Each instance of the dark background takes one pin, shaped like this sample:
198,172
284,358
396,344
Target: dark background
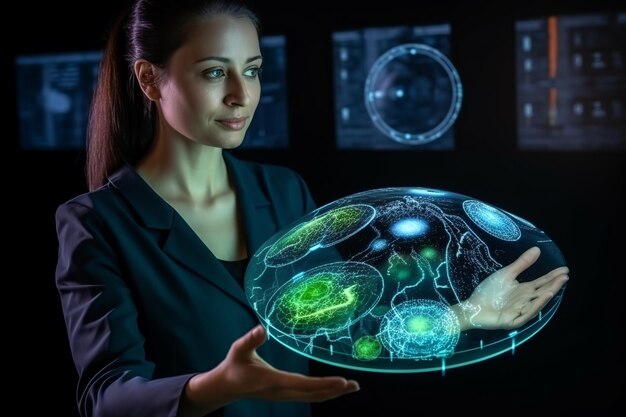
575,363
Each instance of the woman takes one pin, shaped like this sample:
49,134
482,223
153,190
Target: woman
152,258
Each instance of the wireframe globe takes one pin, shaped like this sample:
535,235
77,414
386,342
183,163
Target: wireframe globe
370,281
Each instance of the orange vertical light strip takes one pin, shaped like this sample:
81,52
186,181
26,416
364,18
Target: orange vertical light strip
553,43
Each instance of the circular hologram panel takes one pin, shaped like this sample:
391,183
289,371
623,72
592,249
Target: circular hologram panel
492,220
325,299
413,94
420,329
326,230
399,280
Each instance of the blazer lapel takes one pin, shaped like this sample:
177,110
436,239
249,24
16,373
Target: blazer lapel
255,208
180,242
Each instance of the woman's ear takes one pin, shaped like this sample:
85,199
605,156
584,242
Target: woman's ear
145,73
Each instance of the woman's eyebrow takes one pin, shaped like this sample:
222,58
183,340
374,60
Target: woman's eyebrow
226,60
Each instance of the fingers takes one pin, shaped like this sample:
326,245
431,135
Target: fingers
248,343
524,261
305,383
317,393
554,285
550,276
532,307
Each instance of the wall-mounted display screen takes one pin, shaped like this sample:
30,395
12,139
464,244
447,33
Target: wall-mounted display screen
395,88
571,82
54,92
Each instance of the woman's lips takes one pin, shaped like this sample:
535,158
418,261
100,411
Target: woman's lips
233,124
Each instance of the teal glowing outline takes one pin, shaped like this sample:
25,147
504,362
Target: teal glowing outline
541,322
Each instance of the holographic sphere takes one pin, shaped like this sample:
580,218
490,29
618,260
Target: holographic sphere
388,280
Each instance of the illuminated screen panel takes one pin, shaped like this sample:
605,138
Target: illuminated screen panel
54,92
571,82
395,88
269,128
53,96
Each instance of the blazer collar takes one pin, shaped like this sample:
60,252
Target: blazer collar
181,243
255,208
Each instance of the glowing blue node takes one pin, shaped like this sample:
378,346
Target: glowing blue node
408,228
379,244
387,280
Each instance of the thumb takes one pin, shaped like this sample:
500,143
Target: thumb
248,343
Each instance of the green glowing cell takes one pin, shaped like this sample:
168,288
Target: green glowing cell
317,302
418,324
367,348
321,231
429,253
326,298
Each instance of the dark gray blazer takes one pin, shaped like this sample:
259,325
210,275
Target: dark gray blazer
147,305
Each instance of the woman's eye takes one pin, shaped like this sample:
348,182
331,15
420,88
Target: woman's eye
253,72
214,73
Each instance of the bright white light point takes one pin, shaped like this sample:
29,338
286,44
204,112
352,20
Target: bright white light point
409,227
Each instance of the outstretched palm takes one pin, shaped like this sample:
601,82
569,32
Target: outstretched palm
502,302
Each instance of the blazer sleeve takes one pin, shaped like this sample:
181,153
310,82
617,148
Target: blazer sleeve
101,320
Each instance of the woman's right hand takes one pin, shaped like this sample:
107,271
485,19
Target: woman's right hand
243,374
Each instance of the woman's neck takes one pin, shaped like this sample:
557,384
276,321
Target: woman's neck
183,170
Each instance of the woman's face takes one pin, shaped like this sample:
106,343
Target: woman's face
211,88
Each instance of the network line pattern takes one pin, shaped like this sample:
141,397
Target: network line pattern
369,281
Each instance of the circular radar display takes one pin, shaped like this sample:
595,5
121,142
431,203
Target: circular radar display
402,280
413,94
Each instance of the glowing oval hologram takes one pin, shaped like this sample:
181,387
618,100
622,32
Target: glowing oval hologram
385,280
325,299
492,220
326,230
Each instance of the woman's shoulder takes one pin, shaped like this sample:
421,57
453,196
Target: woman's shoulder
107,197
